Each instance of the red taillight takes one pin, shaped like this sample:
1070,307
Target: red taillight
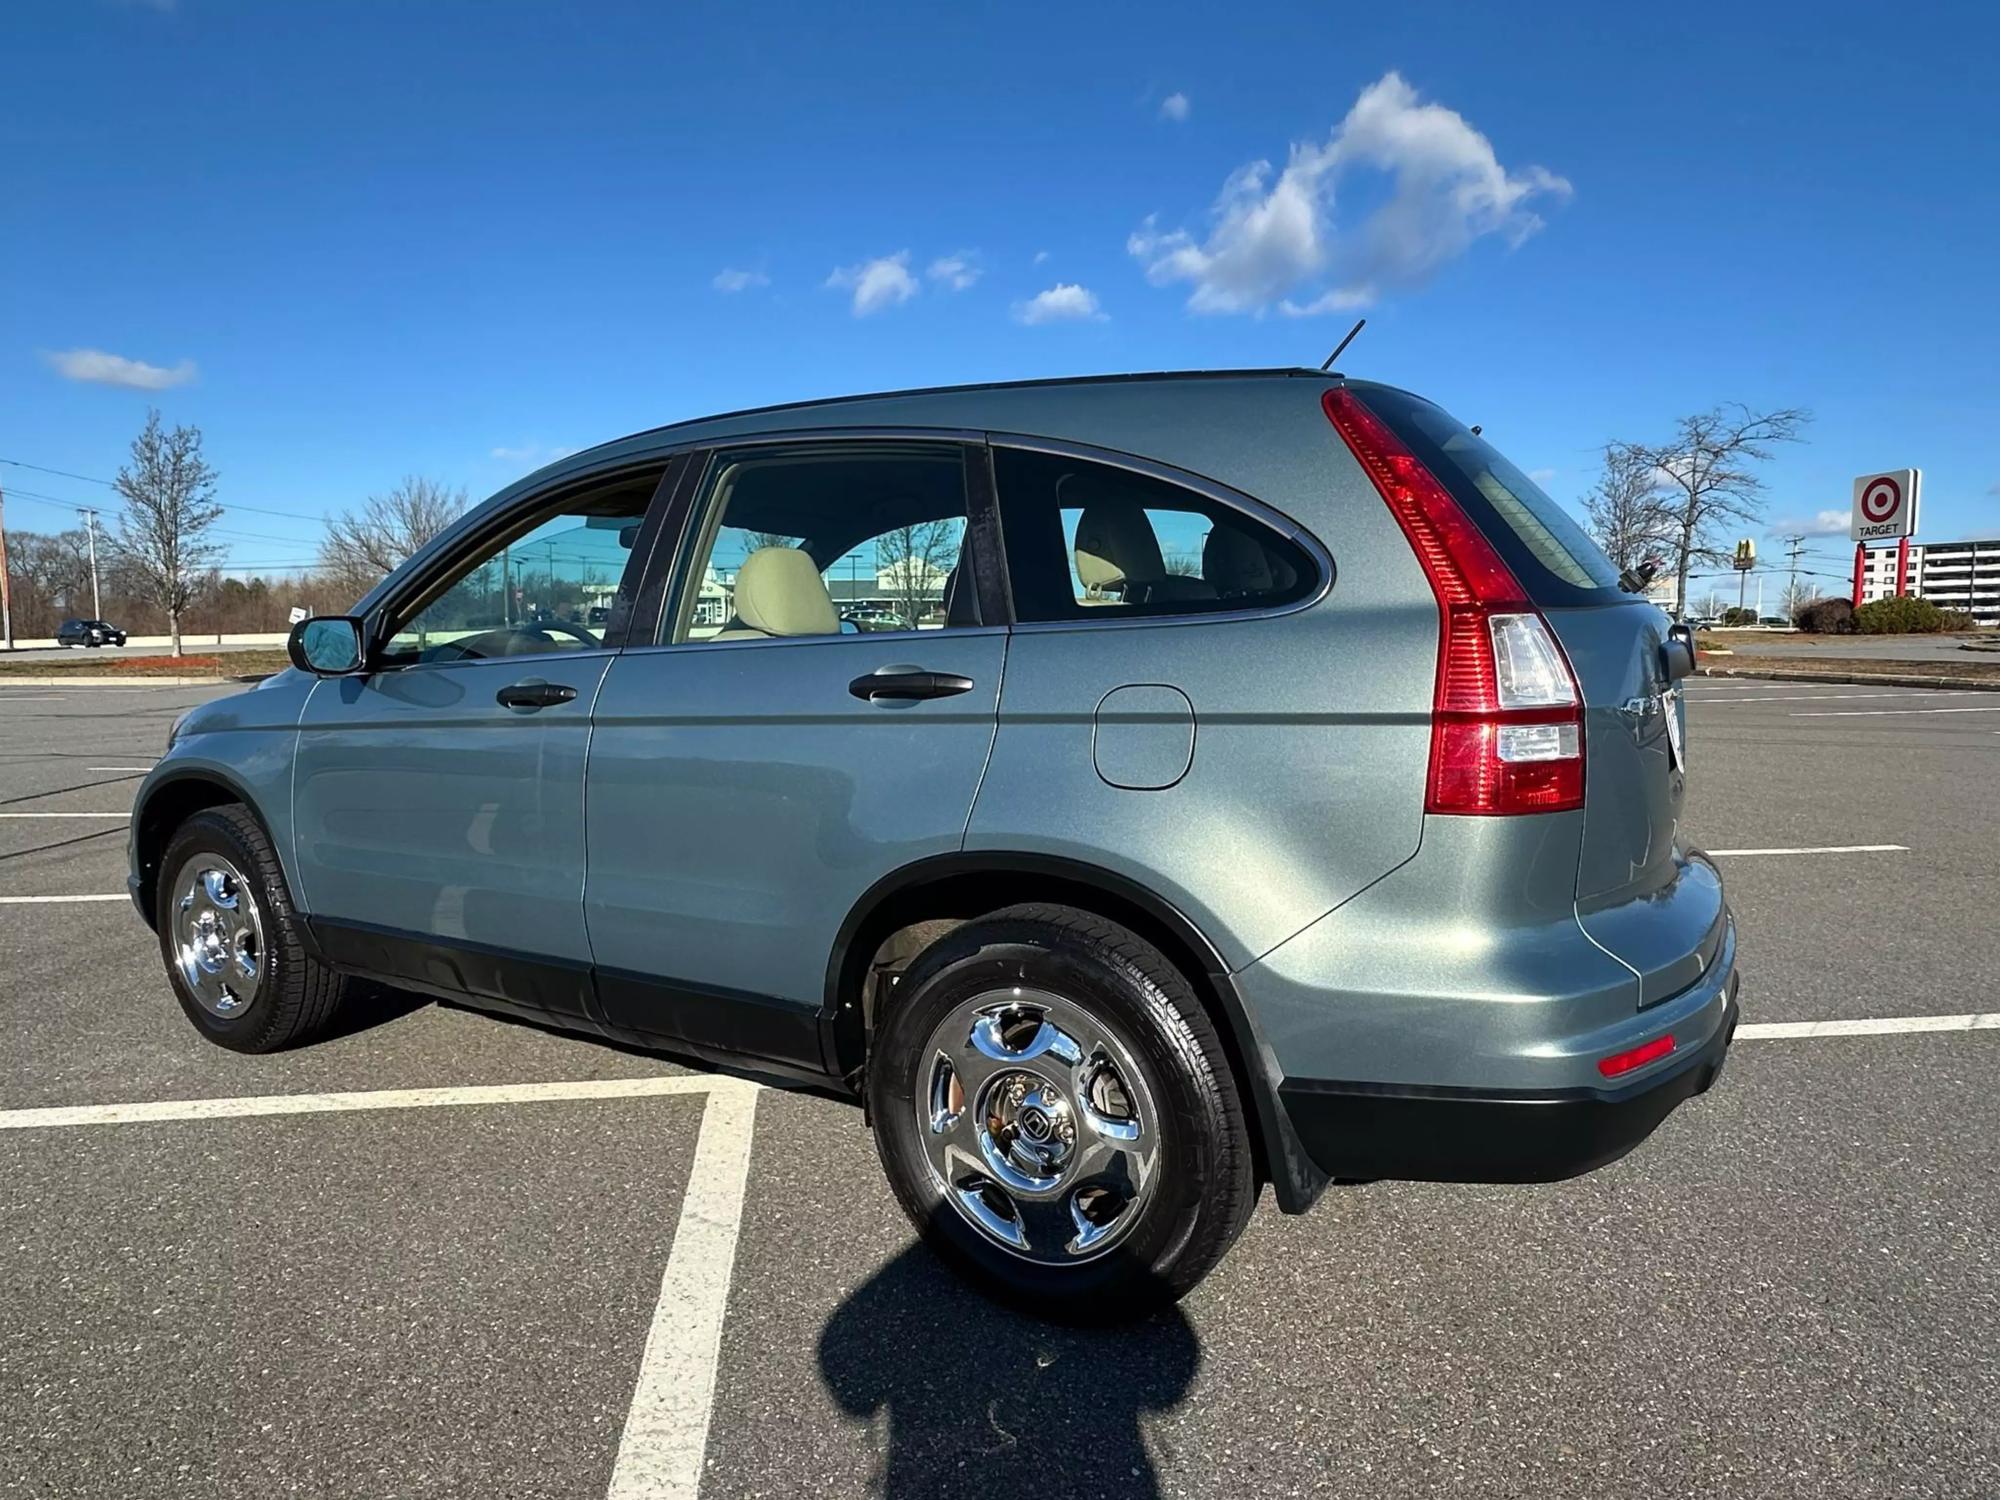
1507,719
1620,1063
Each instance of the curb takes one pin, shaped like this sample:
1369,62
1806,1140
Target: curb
1877,679
8,679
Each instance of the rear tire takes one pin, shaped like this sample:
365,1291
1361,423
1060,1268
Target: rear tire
233,945
1057,1115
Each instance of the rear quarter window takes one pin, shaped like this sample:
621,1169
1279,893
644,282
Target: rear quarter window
1552,555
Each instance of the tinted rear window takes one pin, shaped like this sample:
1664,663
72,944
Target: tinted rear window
1549,552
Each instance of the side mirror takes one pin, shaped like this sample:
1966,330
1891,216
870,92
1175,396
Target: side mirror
1677,652
329,646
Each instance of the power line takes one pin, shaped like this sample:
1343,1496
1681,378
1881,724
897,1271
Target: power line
262,510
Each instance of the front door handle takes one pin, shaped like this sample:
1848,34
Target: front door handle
533,694
903,684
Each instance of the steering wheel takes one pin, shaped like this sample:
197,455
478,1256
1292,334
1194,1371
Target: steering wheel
568,629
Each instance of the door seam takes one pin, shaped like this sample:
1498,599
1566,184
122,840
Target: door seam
992,740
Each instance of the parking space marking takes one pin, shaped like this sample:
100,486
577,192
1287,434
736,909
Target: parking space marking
66,815
58,900
243,1106
1880,1026
1819,849
118,768
665,1438
1828,697
660,1452
1872,713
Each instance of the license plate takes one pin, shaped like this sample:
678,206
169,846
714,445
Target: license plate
1676,741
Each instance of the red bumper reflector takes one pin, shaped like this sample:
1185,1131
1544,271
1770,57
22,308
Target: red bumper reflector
1624,1062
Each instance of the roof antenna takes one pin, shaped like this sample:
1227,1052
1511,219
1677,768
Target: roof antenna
1359,324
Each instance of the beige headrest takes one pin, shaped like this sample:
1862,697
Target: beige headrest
1115,545
779,591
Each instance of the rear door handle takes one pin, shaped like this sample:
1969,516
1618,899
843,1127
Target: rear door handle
533,694
902,684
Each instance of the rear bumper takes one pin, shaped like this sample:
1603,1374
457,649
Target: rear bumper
1362,1132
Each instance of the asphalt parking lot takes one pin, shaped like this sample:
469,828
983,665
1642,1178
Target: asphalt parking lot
445,1254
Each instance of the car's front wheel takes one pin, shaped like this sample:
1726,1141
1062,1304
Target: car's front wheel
232,943
1058,1117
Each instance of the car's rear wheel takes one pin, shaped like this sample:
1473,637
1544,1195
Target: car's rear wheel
232,943
1058,1117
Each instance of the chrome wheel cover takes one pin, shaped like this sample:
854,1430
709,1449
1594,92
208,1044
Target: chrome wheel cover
1037,1125
218,935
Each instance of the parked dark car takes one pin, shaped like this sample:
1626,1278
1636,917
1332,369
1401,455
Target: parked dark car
89,633
1286,795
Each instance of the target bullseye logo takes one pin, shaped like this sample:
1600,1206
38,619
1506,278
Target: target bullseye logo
1881,499
1885,505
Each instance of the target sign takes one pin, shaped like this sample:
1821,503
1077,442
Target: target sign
1885,505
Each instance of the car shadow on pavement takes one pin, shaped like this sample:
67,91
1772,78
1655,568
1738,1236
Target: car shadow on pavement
975,1399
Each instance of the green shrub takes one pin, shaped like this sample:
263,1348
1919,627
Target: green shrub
1825,616
1901,615
1958,619
1735,616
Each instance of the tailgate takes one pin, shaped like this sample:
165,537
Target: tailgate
1638,894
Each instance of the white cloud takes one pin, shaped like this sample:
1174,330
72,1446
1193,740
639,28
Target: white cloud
877,284
1541,476
1042,255
98,368
1065,302
729,279
1174,107
1823,523
956,271
1275,237
530,455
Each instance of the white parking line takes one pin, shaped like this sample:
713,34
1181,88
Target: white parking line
242,1106
66,815
1883,1026
665,1439
118,768
666,1430
1871,713
1830,697
1820,849
57,900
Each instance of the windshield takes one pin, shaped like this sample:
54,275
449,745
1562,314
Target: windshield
1540,540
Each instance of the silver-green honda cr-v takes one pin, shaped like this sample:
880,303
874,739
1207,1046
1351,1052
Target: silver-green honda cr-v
1241,778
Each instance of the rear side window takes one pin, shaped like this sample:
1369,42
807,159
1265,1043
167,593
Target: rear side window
1088,541
1540,541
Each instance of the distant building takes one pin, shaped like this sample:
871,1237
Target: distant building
1951,575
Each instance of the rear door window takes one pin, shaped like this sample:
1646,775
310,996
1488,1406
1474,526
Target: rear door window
1092,541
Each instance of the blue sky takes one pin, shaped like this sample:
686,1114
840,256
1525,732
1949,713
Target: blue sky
354,241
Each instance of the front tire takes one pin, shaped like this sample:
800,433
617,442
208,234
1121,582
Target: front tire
233,945
1058,1117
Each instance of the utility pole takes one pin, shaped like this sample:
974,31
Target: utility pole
1794,545
90,527
6,589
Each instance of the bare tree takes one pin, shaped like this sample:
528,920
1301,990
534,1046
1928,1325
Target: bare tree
1800,592
913,561
1708,481
1624,507
169,492
756,541
1710,605
362,547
